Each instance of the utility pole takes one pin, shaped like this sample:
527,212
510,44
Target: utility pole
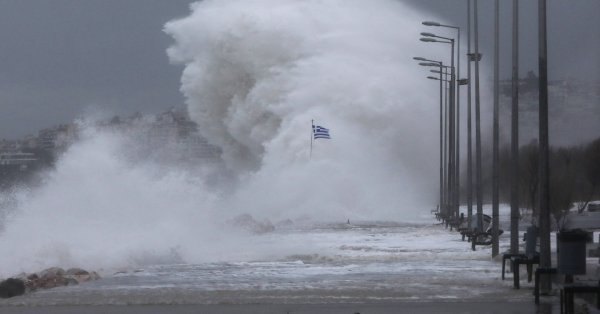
514,178
495,153
544,170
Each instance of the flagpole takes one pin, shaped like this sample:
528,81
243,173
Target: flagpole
312,122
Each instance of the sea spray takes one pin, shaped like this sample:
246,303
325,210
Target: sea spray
256,73
99,209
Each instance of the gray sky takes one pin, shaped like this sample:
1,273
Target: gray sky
61,57
573,28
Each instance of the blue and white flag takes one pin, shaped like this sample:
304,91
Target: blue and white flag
320,132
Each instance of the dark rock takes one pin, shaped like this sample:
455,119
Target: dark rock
33,276
52,272
54,277
79,275
77,271
11,287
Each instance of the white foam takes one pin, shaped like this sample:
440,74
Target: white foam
256,73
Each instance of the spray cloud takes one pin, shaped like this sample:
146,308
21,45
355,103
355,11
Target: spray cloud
256,73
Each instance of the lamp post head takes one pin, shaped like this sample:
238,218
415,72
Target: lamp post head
428,40
432,78
430,23
428,35
428,60
435,71
429,64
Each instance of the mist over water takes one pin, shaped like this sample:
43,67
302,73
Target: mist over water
256,74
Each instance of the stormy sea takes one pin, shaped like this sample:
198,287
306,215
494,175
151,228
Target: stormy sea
275,217
372,262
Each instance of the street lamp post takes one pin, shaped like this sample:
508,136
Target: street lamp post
514,178
442,160
457,108
496,132
446,160
429,37
544,169
445,157
478,176
469,137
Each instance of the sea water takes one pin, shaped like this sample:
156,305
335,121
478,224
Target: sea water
348,212
355,262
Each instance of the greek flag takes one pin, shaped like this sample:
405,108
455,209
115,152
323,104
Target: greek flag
320,132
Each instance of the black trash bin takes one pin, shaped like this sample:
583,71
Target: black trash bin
571,252
531,242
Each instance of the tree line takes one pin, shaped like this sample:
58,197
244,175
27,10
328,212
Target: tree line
574,177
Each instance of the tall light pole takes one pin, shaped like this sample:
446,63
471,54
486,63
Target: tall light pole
457,108
495,149
429,37
514,147
544,170
445,74
446,161
478,179
469,137
446,188
441,202
443,125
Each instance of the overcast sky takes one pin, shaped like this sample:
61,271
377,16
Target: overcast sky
63,58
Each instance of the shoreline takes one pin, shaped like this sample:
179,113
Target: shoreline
443,278
416,306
